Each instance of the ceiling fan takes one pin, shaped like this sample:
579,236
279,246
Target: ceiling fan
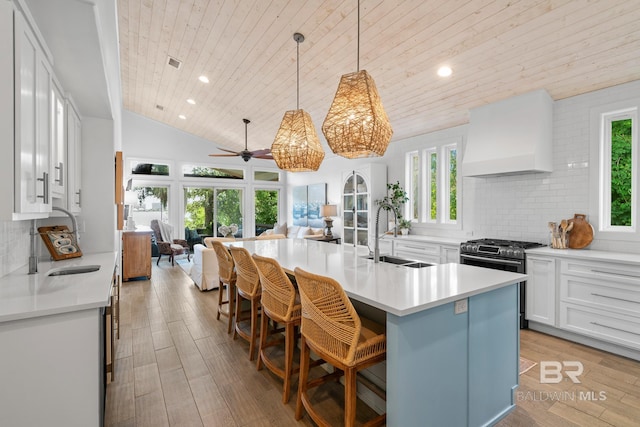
265,153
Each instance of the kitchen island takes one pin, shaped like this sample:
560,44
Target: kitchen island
443,368
54,337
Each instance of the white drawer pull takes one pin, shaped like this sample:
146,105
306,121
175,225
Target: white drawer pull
616,298
420,248
615,329
613,273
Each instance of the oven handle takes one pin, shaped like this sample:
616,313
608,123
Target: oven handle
491,260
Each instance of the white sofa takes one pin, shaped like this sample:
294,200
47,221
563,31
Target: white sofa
294,231
204,268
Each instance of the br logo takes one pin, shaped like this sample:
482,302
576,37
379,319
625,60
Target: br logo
551,372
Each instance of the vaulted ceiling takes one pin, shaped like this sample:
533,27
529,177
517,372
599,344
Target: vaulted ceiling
496,49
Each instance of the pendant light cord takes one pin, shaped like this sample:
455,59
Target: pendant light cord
358,50
298,74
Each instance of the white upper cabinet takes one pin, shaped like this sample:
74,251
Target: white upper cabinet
44,127
74,161
58,143
31,85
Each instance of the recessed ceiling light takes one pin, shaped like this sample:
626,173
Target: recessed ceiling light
203,79
191,101
182,116
444,71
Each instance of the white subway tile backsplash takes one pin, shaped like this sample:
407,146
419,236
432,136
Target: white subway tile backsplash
14,251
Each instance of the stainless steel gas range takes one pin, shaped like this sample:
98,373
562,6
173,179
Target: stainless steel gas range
507,255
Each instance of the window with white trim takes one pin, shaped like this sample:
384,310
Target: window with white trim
413,185
618,169
432,180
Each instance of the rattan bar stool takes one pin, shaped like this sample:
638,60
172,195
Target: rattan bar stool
227,276
334,331
247,288
281,303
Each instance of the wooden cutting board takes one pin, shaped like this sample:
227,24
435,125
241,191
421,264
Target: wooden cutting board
60,242
582,233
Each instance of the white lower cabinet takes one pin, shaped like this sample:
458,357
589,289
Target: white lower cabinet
601,300
420,251
541,290
449,254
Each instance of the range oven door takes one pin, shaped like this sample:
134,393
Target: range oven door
512,265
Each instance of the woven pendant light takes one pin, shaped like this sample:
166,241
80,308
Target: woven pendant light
356,124
296,147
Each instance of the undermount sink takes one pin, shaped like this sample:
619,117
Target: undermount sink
401,261
75,269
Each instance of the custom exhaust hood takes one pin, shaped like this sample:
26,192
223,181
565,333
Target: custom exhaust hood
510,136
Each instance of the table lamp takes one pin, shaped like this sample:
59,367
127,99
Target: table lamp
328,211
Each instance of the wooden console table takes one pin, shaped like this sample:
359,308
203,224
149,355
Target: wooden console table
136,254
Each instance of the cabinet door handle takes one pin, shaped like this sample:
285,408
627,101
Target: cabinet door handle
613,273
615,298
60,169
45,187
615,329
79,202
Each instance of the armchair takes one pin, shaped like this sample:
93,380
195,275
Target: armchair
166,244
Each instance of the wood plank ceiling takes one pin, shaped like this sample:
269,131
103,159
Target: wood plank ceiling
496,49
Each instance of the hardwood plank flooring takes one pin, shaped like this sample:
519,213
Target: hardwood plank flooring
176,366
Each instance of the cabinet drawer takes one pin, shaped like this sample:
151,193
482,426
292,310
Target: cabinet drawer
605,272
607,326
594,292
418,248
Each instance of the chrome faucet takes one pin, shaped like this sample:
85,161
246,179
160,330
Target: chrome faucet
376,248
33,258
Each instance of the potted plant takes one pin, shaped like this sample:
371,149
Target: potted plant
404,225
396,197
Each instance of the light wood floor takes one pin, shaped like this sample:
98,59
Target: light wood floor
175,365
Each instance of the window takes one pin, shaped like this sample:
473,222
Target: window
432,178
450,177
228,209
152,203
139,168
619,171
193,171
198,210
266,209
413,205
261,175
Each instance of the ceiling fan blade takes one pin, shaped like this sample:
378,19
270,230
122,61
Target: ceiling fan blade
261,152
224,155
228,151
264,156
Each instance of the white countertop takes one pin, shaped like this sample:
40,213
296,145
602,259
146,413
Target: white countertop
587,254
395,289
25,295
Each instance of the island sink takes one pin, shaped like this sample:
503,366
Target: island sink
401,261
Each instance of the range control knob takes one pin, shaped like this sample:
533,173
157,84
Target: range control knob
518,253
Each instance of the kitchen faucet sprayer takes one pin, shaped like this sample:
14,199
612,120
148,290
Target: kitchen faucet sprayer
33,258
376,249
